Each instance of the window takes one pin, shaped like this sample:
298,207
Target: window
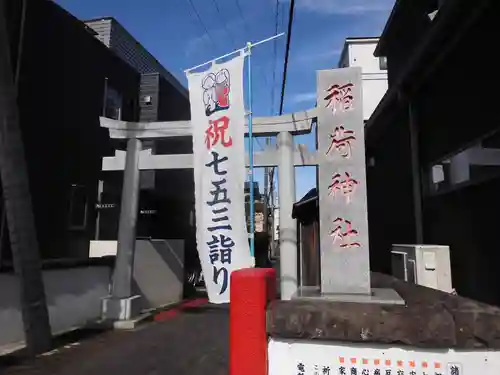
147,100
113,104
382,61
78,208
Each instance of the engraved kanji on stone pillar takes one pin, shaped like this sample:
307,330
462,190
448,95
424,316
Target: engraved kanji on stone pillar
345,266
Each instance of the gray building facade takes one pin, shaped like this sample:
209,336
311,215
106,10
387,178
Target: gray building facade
167,197
110,32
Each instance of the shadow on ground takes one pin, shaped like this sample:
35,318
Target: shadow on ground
193,342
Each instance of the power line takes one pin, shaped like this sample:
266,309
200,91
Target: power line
287,53
238,5
225,24
268,173
202,23
258,69
285,65
275,52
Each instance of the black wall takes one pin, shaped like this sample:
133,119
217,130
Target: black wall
173,105
467,220
408,28
150,86
390,193
61,93
455,105
173,195
167,104
451,118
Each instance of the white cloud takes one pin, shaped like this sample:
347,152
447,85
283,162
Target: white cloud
304,97
216,38
195,44
306,57
345,7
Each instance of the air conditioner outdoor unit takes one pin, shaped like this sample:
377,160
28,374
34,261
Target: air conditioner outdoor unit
427,265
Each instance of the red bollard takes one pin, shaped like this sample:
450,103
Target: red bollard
251,290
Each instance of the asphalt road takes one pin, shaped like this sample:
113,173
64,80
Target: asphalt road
193,341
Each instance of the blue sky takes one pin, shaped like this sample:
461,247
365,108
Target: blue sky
172,32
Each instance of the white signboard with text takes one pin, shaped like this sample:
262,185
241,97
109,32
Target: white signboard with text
307,358
218,118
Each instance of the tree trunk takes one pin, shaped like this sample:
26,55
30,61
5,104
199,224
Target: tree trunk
20,219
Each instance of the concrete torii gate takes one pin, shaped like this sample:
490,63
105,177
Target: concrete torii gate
345,269
135,159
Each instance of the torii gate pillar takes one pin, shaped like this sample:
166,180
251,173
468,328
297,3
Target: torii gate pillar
287,225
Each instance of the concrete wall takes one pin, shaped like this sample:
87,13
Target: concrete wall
159,272
158,269
73,297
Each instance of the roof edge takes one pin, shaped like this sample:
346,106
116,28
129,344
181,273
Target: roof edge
361,39
441,23
379,50
107,18
343,53
169,77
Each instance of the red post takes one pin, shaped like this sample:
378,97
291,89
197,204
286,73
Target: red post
251,291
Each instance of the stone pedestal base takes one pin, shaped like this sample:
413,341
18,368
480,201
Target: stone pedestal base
120,309
384,296
430,319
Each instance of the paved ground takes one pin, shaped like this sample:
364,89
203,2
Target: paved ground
192,341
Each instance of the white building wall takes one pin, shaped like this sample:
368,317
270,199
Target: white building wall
374,88
360,53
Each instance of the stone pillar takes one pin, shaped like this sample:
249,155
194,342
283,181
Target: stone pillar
345,257
288,225
119,306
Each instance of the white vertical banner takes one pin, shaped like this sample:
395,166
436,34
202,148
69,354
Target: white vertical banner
218,120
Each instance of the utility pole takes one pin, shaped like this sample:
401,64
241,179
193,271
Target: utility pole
17,200
270,172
